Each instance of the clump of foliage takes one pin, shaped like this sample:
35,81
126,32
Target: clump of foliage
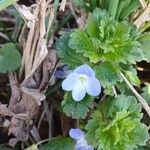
110,47
116,124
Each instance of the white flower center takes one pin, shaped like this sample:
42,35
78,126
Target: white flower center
82,79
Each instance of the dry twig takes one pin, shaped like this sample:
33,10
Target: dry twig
145,16
139,97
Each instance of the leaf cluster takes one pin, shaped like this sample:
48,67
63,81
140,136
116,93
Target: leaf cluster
107,45
116,125
104,39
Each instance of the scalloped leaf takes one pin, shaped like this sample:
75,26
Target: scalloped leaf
76,109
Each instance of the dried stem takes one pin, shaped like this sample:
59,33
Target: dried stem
143,3
49,116
138,96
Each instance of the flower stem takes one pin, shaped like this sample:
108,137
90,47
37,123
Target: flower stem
138,96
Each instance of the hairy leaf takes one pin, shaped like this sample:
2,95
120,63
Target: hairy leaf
116,125
75,109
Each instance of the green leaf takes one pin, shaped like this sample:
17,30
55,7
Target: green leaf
68,55
113,5
145,44
10,58
82,44
107,73
6,3
76,109
116,125
93,23
57,143
133,78
130,7
120,103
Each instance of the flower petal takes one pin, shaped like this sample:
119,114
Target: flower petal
69,82
84,147
76,134
85,69
78,92
93,87
80,148
89,147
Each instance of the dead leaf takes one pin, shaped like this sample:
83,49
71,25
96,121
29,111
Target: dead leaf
25,11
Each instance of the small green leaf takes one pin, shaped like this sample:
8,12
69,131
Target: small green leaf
133,78
76,109
59,143
10,58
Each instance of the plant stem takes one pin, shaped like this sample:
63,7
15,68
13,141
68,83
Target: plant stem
138,96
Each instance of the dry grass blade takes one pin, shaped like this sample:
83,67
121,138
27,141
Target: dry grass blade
145,16
143,3
26,13
62,5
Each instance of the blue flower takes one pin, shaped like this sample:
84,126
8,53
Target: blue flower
62,73
79,136
81,81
